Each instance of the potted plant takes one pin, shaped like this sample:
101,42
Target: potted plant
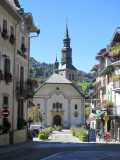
21,124
107,105
115,50
12,39
6,126
8,78
4,34
23,49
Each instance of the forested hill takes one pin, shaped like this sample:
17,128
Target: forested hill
41,71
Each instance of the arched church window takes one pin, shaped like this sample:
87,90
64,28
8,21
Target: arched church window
57,105
53,105
60,105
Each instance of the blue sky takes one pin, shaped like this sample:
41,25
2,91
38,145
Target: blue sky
91,25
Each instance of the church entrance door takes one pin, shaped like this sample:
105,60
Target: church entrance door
57,120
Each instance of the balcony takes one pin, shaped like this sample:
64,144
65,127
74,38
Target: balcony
114,113
98,106
24,90
101,85
21,54
116,86
116,61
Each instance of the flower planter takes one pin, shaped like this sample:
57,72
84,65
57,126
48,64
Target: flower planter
115,51
12,39
4,34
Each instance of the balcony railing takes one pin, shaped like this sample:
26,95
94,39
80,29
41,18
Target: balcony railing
116,58
57,110
23,89
116,84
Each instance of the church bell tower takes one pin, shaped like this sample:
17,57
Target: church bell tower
66,68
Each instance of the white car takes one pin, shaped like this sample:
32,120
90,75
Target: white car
36,128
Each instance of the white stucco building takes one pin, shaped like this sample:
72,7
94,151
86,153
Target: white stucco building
61,102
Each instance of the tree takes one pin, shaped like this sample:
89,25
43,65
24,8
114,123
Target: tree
87,112
35,114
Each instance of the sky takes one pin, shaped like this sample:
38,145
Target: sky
91,25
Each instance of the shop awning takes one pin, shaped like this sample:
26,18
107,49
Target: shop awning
106,71
99,114
90,119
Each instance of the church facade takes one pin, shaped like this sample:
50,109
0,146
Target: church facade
61,103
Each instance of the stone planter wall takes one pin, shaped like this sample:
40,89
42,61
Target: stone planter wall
20,136
4,139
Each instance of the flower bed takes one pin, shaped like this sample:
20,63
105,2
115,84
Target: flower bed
80,133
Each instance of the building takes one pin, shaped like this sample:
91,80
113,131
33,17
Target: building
107,87
59,99
15,29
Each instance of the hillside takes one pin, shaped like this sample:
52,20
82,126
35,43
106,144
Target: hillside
41,71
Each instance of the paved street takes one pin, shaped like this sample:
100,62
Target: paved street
63,146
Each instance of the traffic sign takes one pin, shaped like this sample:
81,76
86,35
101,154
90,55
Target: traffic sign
5,113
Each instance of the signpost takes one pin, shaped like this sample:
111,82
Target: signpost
92,135
5,113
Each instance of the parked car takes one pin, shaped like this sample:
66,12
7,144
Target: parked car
36,128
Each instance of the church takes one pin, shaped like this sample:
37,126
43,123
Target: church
60,102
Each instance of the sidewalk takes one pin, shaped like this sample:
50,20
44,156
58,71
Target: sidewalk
13,147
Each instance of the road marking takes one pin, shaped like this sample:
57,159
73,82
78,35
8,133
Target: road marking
51,156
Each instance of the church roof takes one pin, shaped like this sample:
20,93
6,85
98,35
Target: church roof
56,78
62,67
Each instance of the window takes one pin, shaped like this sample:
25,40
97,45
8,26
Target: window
12,31
23,48
69,76
7,66
5,25
57,105
23,40
60,105
75,106
20,108
5,100
53,105
72,76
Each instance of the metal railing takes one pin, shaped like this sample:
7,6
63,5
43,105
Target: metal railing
101,84
23,89
116,84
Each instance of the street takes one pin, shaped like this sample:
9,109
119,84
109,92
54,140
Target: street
63,146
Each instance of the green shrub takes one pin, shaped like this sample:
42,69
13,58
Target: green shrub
41,136
33,133
30,136
59,128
